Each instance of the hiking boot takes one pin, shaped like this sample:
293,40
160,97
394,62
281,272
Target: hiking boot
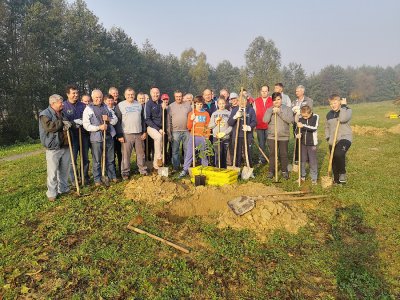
342,178
270,175
159,162
183,174
285,175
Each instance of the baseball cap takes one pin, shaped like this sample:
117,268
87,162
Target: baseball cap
233,96
164,97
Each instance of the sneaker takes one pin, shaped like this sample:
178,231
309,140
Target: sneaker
125,178
314,182
97,184
52,199
303,179
270,175
144,174
342,178
183,174
285,175
115,180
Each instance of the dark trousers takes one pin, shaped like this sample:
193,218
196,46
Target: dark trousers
224,144
262,142
296,153
283,155
339,158
150,151
240,154
117,155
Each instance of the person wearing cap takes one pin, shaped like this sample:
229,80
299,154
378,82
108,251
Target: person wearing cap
131,132
177,127
153,112
260,105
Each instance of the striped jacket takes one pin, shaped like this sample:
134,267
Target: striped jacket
309,135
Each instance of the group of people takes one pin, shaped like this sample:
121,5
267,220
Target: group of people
172,132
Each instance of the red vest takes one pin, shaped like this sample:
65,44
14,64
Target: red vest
260,111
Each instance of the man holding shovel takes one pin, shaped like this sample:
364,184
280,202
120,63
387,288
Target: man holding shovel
279,117
99,121
131,132
236,118
52,129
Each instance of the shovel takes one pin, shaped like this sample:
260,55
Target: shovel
326,181
233,167
244,204
276,148
81,154
104,178
73,164
247,172
261,151
163,171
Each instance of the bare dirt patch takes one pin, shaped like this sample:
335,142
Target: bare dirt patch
374,131
395,129
182,200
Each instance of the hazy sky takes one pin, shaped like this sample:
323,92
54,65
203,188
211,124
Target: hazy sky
314,33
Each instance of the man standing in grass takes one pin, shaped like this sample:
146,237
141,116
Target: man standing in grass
53,136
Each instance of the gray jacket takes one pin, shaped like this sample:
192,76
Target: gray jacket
284,119
344,132
224,127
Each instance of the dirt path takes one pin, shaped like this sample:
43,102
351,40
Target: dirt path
22,155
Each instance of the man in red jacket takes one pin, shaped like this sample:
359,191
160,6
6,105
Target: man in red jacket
260,105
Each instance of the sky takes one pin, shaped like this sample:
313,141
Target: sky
313,33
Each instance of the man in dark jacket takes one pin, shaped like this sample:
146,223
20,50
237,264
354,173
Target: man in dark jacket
52,129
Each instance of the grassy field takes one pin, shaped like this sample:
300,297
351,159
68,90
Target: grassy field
79,247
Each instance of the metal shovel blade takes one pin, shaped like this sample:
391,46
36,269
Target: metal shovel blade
242,205
247,172
163,171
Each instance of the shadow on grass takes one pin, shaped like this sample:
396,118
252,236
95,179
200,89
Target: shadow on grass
358,272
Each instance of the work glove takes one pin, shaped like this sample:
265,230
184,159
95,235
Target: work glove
192,117
276,110
67,125
246,127
220,135
237,115
298,136
296,109
78,122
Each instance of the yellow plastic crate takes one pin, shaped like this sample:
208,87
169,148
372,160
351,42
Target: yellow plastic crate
215,176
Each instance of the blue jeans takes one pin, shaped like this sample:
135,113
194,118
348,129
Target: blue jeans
177,138
97,153
85,155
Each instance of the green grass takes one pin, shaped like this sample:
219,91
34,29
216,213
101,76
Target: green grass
20,148
79,247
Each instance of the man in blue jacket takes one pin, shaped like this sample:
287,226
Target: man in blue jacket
52,129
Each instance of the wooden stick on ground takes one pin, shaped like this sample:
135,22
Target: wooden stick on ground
140,231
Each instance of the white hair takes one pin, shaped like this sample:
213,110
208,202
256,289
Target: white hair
96,91
301,87
55,98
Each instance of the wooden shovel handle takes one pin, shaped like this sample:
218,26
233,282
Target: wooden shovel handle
333,147
73,162
140,231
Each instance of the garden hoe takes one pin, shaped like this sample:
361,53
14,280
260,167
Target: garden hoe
326,181
73,164
163,171
244,204
247,172
104,178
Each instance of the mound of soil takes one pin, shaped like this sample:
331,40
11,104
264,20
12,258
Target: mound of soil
374,131
183,200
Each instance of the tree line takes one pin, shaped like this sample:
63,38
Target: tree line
46,44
